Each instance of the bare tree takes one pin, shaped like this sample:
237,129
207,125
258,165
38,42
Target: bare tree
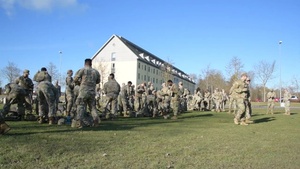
296,85
166,70
264,72
234,68
102,68
11,72
211,79
53,72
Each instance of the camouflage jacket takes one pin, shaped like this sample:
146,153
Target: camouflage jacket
25,82
87,77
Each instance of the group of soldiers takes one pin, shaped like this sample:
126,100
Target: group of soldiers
207,101
271,96
86,103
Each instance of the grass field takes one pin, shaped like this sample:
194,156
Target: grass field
195,140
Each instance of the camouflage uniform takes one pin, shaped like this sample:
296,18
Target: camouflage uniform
217,98
124,98
175,95
69,93
240,89
138,101
47,95
248,112
271,95
286,99
232,101
224,100
15,94
112,90
207,98
58,90
26,83
88,79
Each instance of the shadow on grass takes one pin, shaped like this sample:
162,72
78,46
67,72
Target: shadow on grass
195,116
264,120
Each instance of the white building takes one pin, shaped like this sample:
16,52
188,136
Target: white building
130,62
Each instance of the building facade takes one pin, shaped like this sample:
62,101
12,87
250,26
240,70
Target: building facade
130,62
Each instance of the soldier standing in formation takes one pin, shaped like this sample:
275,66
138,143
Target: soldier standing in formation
26,83
271,95
88,79
112,90
69,93
286,99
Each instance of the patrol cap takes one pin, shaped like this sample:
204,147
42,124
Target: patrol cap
26,71
244,74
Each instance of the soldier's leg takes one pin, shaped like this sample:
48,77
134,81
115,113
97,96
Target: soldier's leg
70,102
240,111
114,106
175,105
52,106
4,128
42,106
93,110
28,104
81,108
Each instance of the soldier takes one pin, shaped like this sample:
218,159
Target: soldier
112,90
232,101
47,95
175,94
248,112
26,83
224,100
15,94
217,98
124,97
88,79
286,99
164,105
207,99
58,89
138,101
271,95
239,89
69,93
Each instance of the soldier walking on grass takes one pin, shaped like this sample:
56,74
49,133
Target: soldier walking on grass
88,79
271,95
239,90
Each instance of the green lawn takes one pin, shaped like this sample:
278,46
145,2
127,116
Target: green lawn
195,140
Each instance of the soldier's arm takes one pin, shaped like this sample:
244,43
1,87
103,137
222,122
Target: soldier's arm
78,76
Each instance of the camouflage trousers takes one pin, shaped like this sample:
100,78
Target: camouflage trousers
83,101
175,106
287,105
271,105
69,102
241,108
47,99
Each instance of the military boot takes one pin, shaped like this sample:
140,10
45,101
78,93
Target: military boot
40,120
236,121
96,123
249,121
174,117
288,113
51,120
243,123
4,128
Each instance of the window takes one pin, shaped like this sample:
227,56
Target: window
157,72
139,65
145,67
148,68
113,56
148,78
153,71
156,80
139,76
113,68
144,77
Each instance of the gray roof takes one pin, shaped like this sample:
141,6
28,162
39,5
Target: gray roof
149,58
